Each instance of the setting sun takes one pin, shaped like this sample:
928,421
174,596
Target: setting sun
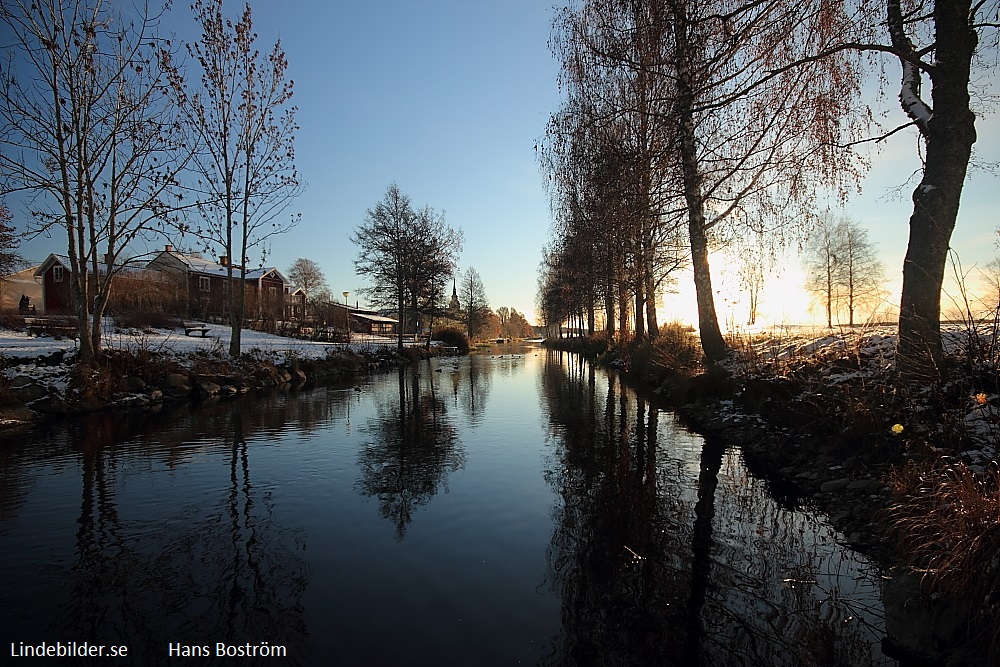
783,299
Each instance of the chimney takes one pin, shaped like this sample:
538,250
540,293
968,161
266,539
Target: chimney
224,260
168,248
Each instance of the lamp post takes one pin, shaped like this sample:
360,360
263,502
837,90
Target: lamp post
347,317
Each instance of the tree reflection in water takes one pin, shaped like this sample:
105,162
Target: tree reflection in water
471,383
665,551
227,571
413,446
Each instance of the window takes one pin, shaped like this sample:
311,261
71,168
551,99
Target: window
57,274
204,284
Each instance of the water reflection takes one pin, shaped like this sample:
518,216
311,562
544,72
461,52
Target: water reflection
666,552
200,569
412,446
578,518
471,381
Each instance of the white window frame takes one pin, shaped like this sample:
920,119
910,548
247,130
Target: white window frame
57,273
204,284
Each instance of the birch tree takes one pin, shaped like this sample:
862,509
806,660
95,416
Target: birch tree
608,164
756,139
940,42
842,267
822,260
88,136
241,116
730,133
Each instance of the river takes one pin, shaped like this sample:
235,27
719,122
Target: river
521,508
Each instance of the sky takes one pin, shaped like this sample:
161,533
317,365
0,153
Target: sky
448,98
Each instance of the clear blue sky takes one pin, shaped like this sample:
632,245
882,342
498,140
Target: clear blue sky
447,98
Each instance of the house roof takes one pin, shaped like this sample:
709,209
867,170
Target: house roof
49,261
207,267
63,260
378,319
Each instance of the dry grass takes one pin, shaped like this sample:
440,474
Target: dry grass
677,348
945,519
108,377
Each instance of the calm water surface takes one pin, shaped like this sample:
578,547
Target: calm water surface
523,509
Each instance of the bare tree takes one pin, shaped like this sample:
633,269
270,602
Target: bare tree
86,131
244,123
513,324
307,274
406,255
751,275
842,267
990,273
472,293
434,249
991,277
754,138
938,39
822,260
862,273
715,122
616,224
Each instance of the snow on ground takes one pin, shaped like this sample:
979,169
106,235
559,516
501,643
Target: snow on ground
875,347
774,352
24,357
793,342
18,345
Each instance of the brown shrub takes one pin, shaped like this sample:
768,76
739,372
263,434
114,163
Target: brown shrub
451,337
677,348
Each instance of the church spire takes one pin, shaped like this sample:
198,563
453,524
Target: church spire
454,305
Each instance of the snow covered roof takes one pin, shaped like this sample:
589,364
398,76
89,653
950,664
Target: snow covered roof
63,260
373,318
207,267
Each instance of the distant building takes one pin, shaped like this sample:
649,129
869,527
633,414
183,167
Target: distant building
370,322
295,304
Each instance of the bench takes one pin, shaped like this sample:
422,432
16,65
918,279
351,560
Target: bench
52,326
191,328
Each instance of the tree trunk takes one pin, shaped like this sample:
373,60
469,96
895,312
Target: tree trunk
78,297
950,134
651,324
622,311
829,295
640,303
712,343
609,307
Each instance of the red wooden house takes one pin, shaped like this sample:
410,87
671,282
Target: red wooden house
204,284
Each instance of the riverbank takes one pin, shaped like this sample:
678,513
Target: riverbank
907,474
141,368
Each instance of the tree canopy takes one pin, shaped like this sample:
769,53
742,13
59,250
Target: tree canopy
407,256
